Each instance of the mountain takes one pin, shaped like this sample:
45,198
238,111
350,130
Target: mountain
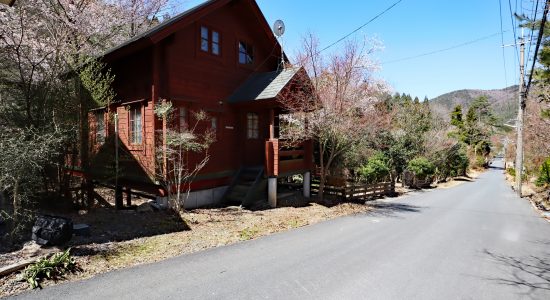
503,101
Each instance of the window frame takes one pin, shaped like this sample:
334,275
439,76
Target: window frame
212,46
135,129
252,126
100,131
248,53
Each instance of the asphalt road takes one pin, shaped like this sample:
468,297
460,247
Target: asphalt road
474,241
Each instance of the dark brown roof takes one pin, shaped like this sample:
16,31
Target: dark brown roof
262,86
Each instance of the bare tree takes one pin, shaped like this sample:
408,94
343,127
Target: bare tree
178,142
339,111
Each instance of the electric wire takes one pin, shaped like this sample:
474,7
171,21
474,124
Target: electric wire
446,49
535,10
502,43
514,28
539,40
360,27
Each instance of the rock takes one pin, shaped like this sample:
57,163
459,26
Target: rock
145,207
155,206
81,229
52,230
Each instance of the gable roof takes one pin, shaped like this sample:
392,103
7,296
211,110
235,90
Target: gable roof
166,28
262,86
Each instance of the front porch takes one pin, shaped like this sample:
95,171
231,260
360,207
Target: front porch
284,158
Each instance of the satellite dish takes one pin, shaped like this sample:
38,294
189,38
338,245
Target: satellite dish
279,28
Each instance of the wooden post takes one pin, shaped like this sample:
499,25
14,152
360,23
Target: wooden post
155,96
164,147
118,197
89,193
271,124
128,196
307,184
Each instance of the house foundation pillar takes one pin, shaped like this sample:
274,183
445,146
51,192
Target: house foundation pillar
307,184
272,191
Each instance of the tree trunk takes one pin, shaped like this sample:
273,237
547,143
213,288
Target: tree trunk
17,204
323,174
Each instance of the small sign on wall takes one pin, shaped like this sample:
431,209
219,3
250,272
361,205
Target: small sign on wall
229,127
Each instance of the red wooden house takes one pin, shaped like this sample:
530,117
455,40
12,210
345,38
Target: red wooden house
220,57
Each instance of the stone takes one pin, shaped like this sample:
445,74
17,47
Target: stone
81,229
144,207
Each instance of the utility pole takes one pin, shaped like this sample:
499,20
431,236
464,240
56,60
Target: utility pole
521,112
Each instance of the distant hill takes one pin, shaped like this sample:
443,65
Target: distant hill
504,101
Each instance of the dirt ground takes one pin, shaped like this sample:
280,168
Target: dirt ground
539,196
472,175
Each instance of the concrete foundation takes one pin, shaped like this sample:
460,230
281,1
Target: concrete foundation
307,184
272,191
199,198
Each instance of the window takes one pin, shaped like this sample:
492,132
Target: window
214,124
100,128
204,39
215,42
135,125
210,40
246,54
252,131
183,119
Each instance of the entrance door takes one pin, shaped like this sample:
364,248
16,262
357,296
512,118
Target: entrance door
254,136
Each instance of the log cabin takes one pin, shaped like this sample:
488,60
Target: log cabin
220,57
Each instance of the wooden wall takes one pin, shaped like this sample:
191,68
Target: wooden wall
197,80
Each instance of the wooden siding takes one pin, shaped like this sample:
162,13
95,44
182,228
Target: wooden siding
172,66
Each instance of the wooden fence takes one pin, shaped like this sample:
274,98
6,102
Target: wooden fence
355,191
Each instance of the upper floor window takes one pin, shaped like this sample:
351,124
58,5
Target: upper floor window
135,125
210,40
246,53
252,128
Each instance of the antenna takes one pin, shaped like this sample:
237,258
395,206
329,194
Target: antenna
279,30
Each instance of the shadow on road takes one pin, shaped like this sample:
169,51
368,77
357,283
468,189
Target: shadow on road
391,209
530,273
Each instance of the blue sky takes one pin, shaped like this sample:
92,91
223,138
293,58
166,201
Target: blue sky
413,27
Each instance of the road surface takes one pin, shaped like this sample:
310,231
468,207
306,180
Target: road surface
474,241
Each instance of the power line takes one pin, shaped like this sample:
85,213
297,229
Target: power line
513,26
502,42
539,39
360,27
446,49
533,25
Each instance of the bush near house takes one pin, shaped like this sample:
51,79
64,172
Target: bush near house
376,169
544,174
421,167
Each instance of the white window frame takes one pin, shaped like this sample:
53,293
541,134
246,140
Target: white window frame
252,126
135,125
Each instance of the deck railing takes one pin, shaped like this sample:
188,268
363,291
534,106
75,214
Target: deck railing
284,158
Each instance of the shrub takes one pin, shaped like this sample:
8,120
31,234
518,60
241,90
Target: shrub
45,268
512,172
421,167
544,173
450,162
376,169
